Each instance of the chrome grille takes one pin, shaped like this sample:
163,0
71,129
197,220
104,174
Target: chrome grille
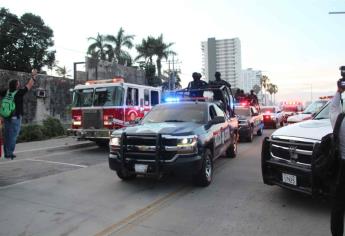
143,147
92,119
292,151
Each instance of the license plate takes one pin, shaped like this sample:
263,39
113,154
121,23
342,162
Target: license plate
289,179
140,168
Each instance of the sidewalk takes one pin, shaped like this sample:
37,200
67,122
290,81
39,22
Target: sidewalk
52,144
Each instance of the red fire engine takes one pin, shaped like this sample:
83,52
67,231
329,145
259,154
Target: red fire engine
291,108
101,106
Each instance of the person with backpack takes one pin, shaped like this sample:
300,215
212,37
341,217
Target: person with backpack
338,205
11,109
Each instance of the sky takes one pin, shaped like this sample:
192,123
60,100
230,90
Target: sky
297,44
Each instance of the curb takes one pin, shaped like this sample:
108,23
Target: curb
62,147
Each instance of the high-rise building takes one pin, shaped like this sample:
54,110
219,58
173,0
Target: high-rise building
223,56
249,78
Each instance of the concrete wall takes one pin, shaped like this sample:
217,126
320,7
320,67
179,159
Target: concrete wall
58,97
100,70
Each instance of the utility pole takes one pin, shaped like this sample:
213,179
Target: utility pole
75,70
173,75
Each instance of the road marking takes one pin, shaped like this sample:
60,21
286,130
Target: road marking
15,184
59,163
140,213
54,147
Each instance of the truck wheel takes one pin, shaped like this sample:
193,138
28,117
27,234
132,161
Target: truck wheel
204,177
123,174
232,149
250,135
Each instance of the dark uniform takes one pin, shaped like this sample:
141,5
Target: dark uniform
196,84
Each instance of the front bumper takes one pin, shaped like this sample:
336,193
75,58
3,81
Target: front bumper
273,170
180,164
90,134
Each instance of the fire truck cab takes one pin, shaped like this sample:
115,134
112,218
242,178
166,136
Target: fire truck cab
99,107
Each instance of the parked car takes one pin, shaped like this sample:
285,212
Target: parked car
250,122
273,116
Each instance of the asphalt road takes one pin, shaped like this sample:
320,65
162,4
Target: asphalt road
73,192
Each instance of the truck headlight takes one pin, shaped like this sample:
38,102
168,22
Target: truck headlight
187,141
115,141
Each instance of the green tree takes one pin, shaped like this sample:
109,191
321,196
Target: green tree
162,51
146,50
270,90
99,49
121,40
62,71
264,81
275,91
25,42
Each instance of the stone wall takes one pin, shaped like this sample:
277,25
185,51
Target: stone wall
99,70
55,103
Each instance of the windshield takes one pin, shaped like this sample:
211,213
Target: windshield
176,113
108,96
242,111
314,107
268,110
324,113
82,98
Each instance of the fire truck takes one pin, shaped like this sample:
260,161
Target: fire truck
291,108
101,106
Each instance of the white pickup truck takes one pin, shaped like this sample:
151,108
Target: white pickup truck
309,112
289,155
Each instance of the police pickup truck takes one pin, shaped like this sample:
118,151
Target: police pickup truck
289,157
250,122
183,137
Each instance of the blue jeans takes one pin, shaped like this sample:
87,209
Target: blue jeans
11,132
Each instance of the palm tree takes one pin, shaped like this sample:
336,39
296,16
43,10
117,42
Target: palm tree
99,49
275,90
162,51
146,50
62,71
270,89
264,81
121,40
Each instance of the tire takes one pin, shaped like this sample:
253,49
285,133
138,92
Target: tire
123,174
250,136
204,177
231,152
259,132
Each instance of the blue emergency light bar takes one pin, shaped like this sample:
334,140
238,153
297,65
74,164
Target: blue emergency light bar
172,99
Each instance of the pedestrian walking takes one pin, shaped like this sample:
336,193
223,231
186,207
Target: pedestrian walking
12,112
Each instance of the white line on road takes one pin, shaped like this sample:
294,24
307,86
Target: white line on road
59,163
